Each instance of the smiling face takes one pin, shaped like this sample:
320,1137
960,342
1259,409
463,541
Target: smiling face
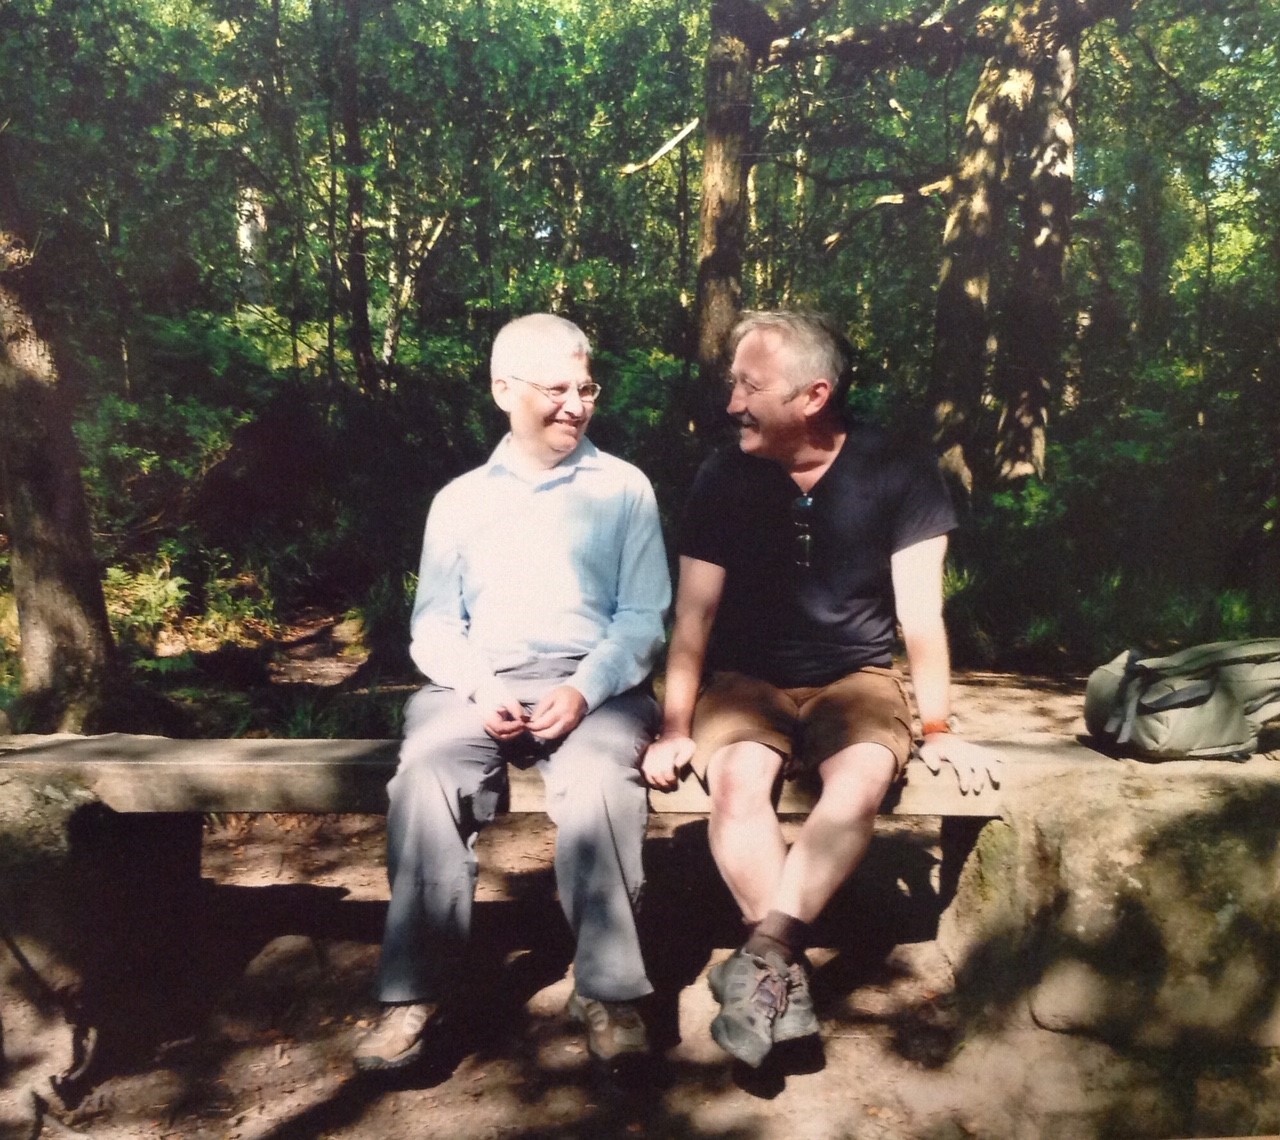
536,353
769,414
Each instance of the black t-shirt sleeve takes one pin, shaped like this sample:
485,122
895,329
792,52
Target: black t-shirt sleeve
703,531
925,509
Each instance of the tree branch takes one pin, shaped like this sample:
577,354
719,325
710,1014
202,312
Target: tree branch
1196,106
931,183
668,146
911,194
929,31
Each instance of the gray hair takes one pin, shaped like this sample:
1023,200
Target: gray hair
818,349
511,343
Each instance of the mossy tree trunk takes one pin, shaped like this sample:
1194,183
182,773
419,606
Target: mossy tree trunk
1017,154
68,654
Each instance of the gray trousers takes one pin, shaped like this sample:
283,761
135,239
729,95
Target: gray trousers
448,786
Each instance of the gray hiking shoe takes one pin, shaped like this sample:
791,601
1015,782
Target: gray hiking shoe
397,1038
797,1020
614,1028
752,993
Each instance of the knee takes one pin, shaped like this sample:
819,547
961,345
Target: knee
433,774
588,788
849,801
854,783
740,778
416,785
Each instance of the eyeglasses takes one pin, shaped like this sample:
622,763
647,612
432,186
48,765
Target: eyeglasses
733,383
750,388
801,513
558,394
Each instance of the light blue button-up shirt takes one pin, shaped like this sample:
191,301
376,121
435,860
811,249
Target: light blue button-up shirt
565,563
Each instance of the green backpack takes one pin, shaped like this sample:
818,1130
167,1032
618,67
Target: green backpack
1208,701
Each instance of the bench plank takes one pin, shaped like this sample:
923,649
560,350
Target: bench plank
158,774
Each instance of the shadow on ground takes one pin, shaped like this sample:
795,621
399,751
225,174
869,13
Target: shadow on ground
280,971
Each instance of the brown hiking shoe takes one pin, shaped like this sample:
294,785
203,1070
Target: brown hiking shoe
614,1028
397,1039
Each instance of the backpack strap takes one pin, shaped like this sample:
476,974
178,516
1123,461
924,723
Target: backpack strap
1199,662
1131,696
1198,658
1125,707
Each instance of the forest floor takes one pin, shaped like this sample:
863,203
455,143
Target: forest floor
283,962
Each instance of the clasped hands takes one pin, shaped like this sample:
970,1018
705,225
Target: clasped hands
557,714
664,760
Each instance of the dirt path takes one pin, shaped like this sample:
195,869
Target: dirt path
283,960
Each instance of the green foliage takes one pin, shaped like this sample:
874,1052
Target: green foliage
636,419
1124,545
236,607
141,604
299,711
237,470
9,663
143,460
370,714
382,617
154,611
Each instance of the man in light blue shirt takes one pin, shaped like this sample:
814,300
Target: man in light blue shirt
539,614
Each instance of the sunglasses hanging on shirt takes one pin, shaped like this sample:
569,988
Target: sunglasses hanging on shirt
801,514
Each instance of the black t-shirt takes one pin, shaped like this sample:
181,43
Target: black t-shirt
795,625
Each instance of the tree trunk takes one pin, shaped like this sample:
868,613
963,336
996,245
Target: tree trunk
399,274
282,123
1150,179
970,244
742,33
1028,369
731,62
251,240
67,655
1018,144
360,334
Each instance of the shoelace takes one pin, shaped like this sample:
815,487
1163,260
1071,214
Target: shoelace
771,994
412,1018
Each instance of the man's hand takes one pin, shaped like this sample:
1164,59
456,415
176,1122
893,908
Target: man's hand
975,765
664,759
502,716
557,714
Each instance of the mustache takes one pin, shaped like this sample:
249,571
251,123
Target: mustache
744,419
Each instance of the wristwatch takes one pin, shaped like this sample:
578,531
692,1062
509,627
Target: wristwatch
932,727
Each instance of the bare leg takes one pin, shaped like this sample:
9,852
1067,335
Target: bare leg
746,839
837,832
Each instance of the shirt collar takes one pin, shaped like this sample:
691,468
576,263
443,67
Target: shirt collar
584,457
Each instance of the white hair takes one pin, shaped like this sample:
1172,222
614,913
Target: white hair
511,345
817,348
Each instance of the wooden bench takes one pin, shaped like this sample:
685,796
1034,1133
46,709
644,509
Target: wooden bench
181,780
157,774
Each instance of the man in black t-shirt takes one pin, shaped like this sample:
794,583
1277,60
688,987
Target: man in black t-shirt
801,552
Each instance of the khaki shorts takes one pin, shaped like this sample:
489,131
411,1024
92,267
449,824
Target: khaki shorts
804,725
